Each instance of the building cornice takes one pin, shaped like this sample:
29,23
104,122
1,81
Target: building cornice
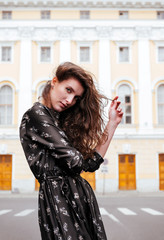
78,31
79,4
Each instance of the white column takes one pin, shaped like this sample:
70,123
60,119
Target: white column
65,50
144,74
104,67
25,77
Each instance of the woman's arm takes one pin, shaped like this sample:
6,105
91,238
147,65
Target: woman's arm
115,116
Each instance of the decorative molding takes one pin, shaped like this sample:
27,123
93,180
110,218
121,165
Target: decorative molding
38,81
157,82
10,81
87,4
80,32
104,31
124,33
65,32
143,32
26,32
125,80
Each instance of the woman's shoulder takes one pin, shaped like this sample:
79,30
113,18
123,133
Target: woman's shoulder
38,109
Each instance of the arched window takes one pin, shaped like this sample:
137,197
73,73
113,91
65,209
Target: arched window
40,90
160,100
6,105
124,93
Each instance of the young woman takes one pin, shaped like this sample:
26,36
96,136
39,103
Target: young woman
62,136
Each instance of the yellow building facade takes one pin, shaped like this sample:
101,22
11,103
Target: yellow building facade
122,44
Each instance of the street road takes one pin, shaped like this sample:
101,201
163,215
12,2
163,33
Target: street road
125,217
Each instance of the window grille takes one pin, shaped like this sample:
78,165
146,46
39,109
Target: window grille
124,93
84,54
45,14
160,54
6,15
6,54
6,105
123,54
123,14
45,54
160,99
84,14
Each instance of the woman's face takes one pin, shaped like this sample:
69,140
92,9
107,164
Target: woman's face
65,94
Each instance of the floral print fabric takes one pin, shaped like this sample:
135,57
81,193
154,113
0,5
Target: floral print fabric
68,208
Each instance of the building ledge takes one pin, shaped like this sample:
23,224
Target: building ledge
79,4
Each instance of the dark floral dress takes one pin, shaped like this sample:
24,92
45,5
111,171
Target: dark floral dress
68,208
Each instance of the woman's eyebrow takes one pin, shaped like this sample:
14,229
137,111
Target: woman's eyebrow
74,91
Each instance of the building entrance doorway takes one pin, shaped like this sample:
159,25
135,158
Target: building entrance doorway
90,177
5,172
161,171
127,173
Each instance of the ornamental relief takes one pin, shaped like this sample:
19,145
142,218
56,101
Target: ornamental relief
45,34
90,33
125,34
64,32
143,32
104,32
8,34
26,32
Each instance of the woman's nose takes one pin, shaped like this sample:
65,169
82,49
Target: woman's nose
69,99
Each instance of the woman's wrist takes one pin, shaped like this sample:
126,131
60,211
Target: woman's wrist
112,124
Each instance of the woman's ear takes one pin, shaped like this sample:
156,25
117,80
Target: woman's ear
54,81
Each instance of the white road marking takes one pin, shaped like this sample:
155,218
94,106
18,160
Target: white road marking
126,211
151,211
2,212
104,212
24,213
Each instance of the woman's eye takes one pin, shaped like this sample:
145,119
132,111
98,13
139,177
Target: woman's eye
68,90
77,98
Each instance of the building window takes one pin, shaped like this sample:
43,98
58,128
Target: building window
84,54
6,54
45,54
123,54
160,15
160,54
123,14
160,99
124,93
6,15
40,90
84,14
45,14
6,106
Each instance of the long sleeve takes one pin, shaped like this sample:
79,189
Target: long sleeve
40,133
92,164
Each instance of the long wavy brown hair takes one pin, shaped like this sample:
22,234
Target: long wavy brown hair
83,123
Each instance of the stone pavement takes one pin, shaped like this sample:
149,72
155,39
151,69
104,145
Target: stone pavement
9,194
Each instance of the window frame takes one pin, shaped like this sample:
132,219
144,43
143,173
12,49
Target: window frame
45,44
85,44
159,15
132,105
157,117
159,44
122,18
6,12
45,11
41,84
85,16
12,117
124,44
6,44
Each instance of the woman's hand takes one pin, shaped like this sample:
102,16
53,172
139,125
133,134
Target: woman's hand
115,116
115,112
